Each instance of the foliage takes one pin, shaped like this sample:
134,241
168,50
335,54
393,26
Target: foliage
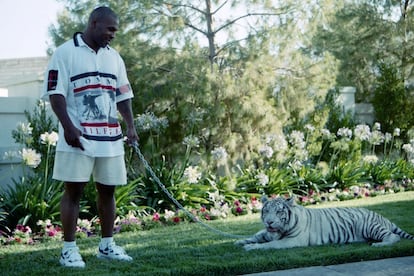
392,101
226,92
31,200
304,163
225,123
35,196
177,250
364,34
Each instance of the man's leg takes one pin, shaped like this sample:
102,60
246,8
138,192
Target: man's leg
69,213
69,209
106,208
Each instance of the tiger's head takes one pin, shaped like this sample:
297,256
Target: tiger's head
276,214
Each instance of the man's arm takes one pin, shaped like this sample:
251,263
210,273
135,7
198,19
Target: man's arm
71,132
125,109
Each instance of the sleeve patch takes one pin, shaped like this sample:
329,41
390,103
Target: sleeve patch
52,80
124,89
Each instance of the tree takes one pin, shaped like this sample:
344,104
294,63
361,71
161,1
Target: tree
228,93
392,102
364,34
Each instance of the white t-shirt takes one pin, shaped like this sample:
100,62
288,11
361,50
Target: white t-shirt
92,84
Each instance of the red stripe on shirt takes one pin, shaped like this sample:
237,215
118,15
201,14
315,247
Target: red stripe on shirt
99,124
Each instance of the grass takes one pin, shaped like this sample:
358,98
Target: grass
190,249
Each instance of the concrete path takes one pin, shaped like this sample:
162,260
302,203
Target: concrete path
403,266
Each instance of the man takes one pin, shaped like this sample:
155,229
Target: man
86,86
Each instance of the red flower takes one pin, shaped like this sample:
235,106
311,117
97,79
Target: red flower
176,219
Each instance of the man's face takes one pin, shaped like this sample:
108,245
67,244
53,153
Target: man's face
104,31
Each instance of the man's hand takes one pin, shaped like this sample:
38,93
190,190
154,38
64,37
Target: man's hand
125,108
72,136
71,133
132,136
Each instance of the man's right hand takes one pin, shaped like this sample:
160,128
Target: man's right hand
72,137
71,133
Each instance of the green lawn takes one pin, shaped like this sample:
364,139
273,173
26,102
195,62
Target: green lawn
190,249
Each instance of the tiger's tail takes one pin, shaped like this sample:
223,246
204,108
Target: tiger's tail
397,230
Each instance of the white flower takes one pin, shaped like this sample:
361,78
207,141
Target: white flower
355,189
263,179
168,214
42,104
149,122
269,138
344,132
377,126
192,174
362,132
397,132
46,223
195,116
31,158
297,139
216,213
370,159
408,148
24,129
215,196
326,134
49,139
280,144
309,127
377,138
296,165
388,137
266,151
191,141
219,154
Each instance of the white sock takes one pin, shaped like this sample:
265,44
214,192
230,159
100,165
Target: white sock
107,240
70,244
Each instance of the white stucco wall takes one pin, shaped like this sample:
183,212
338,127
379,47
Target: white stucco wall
21,82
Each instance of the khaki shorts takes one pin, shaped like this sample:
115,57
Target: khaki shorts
74,167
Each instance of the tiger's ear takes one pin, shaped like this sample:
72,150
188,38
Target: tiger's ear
291,201
263,199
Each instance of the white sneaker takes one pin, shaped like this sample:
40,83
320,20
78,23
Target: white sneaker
70,257
113,252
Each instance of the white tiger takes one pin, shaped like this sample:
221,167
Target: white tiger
290,225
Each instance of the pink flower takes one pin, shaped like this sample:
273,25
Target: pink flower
156,217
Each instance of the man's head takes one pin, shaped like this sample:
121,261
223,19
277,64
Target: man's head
102,25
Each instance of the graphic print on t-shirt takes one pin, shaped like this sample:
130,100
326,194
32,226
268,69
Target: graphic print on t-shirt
94,94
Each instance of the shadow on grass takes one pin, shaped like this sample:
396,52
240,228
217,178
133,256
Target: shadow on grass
190,249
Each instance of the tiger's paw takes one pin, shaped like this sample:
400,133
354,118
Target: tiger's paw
252,246
241,242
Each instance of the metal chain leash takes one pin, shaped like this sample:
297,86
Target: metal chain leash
171,197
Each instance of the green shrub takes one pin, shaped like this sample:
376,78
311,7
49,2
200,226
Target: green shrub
392,101
31,200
